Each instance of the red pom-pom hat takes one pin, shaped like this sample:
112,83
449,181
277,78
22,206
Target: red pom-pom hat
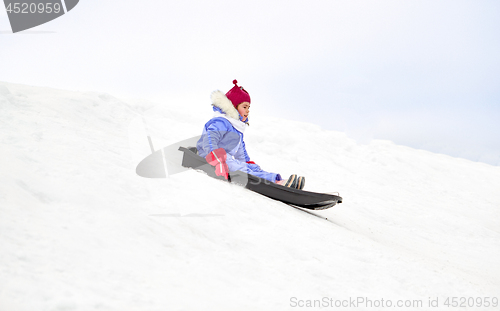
237,95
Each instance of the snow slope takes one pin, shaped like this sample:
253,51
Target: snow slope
79,230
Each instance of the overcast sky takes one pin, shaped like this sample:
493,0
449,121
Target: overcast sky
425,74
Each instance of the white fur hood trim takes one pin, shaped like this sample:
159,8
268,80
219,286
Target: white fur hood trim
220,100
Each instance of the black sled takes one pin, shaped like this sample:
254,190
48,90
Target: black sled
294,197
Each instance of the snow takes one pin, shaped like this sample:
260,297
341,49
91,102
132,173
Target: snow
79,230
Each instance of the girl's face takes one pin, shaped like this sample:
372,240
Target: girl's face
244,110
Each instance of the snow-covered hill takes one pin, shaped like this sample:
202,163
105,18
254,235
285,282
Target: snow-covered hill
79,230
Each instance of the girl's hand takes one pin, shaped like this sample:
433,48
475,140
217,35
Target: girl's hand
217,158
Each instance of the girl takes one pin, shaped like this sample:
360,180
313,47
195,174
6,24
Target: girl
222,142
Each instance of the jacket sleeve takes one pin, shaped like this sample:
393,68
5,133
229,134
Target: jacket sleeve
217,134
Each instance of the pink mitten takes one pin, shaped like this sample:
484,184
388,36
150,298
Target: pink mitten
217,158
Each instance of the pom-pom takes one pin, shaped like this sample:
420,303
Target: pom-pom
234,81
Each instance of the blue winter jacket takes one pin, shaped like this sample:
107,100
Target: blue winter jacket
225,130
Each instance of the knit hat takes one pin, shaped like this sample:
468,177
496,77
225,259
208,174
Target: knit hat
237,95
